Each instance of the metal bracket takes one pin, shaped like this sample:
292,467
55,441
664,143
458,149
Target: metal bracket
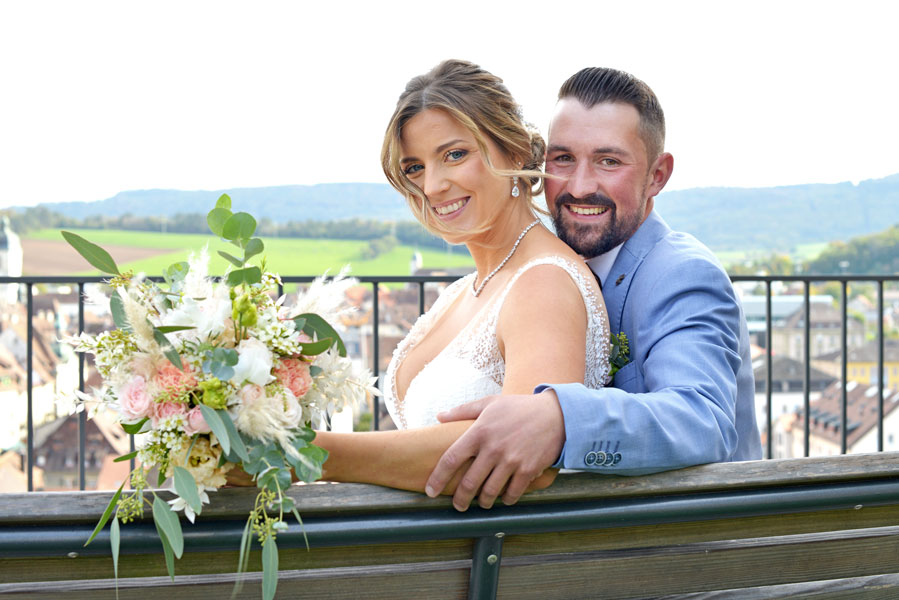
485,561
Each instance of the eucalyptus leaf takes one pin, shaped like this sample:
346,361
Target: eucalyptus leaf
106,514
231,259
236,442
315,324
269,569
250,276
253,247
186,487
218,428
125,457
167,348
299,323
167,549
305,433
114,541
167,521
315,371
240,226
315,348
216,219
92,253
133,429
175,273
307,465
300,521
173,328
117,308
224,201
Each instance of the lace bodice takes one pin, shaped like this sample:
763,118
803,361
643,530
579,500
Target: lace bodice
471,365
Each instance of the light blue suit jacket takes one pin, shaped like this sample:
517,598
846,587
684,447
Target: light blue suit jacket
686,396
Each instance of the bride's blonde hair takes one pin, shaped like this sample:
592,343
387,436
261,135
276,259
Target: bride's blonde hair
480,102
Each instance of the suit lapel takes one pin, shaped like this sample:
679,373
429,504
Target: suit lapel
635,249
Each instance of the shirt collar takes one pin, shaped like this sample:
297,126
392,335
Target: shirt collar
601,265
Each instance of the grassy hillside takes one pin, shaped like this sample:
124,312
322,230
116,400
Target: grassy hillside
292,256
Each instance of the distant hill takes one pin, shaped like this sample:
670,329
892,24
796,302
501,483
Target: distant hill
324,202
778,218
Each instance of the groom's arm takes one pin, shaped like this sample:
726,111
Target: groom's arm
690,331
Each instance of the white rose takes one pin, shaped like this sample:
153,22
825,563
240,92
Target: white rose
254,363
293,412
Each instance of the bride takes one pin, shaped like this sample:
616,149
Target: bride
458,150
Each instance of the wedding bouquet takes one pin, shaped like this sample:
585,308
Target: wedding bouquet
215,375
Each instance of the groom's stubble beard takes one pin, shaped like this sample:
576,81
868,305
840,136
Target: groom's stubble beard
592,240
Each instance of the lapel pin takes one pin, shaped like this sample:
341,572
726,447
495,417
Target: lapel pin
620,279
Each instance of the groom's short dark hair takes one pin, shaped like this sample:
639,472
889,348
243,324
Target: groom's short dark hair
594,85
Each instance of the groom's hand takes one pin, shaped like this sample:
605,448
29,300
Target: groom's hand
513,441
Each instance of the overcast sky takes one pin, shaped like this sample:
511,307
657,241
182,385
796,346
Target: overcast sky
102,97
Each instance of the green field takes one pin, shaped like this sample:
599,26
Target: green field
287,256
801,252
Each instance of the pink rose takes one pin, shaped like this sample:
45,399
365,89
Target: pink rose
251,394
195,423
163,410
135,402
294,375
173,382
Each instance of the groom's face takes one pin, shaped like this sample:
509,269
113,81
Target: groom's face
599,195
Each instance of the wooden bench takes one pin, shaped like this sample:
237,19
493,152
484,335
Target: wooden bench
809,528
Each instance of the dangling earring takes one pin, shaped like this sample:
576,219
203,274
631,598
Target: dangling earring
515,191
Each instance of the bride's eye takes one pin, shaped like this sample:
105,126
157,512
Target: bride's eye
455,155
412,169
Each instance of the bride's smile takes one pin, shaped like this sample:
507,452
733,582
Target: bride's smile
441,157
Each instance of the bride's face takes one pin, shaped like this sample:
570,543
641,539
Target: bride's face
442,158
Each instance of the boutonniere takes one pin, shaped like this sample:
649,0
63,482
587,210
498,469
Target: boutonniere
619,354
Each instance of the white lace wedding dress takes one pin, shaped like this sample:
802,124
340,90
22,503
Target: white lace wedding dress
471,366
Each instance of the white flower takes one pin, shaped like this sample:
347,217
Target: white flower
196,283
208,316
254,363
180,503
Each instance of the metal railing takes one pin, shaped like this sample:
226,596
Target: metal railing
376,281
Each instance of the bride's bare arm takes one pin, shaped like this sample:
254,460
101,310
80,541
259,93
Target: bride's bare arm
399,459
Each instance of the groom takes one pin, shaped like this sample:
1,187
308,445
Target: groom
686,395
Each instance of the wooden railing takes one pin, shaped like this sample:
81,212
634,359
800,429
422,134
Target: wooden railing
812,527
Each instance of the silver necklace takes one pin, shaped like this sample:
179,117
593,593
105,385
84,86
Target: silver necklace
477,290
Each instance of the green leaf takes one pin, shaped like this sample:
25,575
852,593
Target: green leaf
250,275
125,457
114,540
315,324
269,569
244,556
308,464
240,226
167,348
231,259
92,253
167,548
216,219
315,348
305,433
106,514
173,328
218,428
299,323
315,371
117,308
175,273
186,487
160,477
224,201
236,442
253,247
167,521
134,428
